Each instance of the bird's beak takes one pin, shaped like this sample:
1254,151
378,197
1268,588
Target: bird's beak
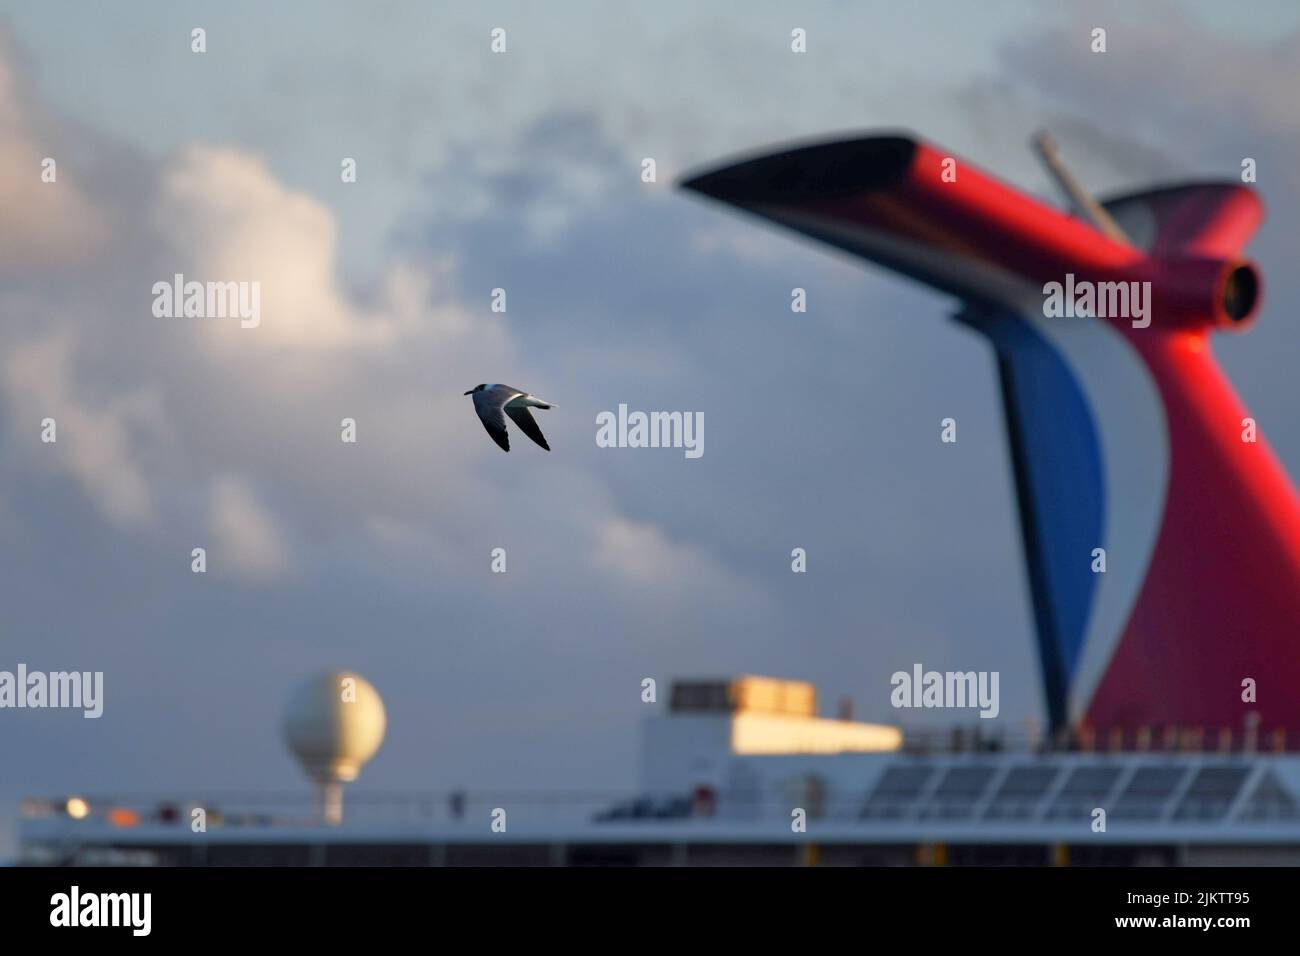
470,392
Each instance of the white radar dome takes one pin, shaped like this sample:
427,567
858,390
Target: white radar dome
334,723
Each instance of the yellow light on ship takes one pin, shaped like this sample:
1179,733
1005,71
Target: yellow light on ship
77,808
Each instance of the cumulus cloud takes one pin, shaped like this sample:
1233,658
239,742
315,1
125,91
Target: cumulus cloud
1203,97
44,222
148,407
94,439
193,427
246,538
649,565
227,218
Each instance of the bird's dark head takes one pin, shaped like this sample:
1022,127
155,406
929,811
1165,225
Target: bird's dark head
476,388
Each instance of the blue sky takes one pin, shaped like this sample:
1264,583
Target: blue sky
522,171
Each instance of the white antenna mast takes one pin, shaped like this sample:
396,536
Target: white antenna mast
1092,210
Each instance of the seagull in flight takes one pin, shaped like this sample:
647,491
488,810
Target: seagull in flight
494,402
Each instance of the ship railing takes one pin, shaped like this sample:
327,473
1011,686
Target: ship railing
1248,739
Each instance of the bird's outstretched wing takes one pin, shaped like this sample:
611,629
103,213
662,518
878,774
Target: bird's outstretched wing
524,419
489,404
